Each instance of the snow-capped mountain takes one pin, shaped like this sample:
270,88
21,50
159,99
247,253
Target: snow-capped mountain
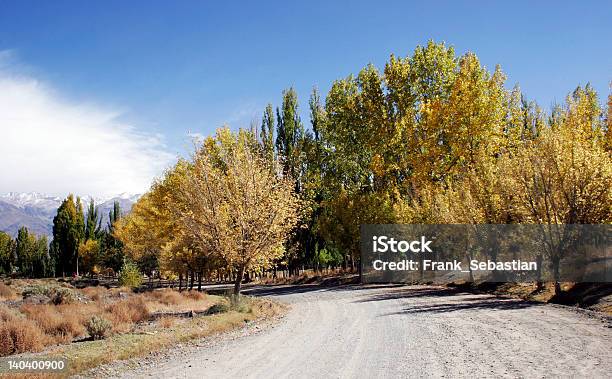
30,199
36,211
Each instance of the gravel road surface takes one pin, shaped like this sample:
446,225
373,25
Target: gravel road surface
407,331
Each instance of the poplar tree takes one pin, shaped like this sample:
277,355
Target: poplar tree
267,133
112,246
24,251
68,232
93,223
7,253
289,136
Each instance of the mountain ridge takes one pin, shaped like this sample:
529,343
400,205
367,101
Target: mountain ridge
35,210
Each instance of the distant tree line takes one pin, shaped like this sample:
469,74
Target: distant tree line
27,255
80,245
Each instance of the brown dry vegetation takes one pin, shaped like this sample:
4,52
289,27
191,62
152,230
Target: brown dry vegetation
175,330
55,321
7,293
95,293
138,323
20,335
166,321
167,301
31,326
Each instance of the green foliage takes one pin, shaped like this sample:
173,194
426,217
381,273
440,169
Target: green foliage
32,255
267,133
34,290
93,223
58,295
113,216
218,308
68,232
7,253
289,134
328,257
240,303
64,296
232,302
112,248
130,275
98,327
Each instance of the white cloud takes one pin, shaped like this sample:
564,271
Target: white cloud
52,145
196,137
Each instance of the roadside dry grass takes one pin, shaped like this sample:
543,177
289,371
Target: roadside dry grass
53,319
82,356
170,301
45,312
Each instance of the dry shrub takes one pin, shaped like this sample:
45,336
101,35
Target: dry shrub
94,293
6,341
120,291
57,294
37,289
64,296
167,296
19,336
131,310
7,293
194,295
167,321
63,327
82,312
7,314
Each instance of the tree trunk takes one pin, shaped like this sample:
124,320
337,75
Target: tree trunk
471,277
200,281
180,282
538,282
191,282
555,263
557,289
238,282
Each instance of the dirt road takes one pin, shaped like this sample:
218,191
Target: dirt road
415,331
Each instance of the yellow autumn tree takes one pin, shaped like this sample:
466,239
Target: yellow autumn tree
150,229
89,256
563,177
238,208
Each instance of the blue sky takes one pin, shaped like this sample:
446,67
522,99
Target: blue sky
169,68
